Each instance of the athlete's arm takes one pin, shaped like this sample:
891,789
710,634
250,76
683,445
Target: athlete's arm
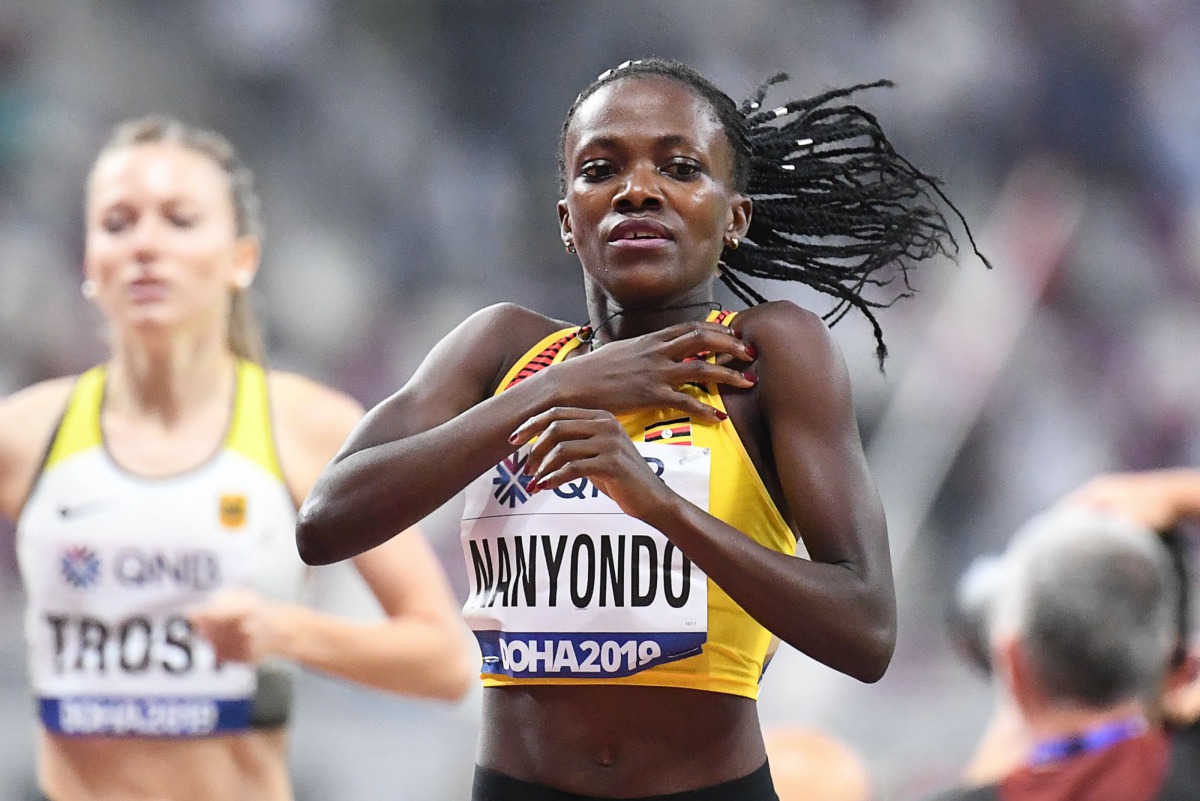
838,608
444,428
416,449
27,421
419,648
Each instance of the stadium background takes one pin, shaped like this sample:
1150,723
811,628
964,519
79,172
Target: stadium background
406,156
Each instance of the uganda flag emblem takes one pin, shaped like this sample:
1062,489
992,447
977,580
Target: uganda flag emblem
670,432
233,511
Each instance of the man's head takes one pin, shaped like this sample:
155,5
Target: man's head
1087,612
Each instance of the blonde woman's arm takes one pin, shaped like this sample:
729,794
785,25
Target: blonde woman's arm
27,421
420,647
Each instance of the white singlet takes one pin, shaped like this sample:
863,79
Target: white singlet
112,562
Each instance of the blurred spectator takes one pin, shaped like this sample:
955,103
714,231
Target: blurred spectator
1087,627
810,765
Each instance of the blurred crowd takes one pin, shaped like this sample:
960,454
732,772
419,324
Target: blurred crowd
406,153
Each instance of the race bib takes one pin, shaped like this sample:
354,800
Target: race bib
112,651
565,584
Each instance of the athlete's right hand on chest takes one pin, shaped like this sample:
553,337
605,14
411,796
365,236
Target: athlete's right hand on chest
649,371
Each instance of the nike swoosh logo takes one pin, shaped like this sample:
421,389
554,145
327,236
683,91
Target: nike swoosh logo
79,510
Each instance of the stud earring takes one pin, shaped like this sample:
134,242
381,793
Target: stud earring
569,245
88,289
243,280
732,243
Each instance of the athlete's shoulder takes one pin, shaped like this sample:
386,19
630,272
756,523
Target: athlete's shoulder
783,326
27,421
39,394
302,404
798,357
35,409
485,345
311,421
783,320
517,322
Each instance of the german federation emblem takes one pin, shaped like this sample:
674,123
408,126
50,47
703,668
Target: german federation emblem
510,480
233,511
80,566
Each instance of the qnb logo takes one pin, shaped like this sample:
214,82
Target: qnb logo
199,569
510,481
80,566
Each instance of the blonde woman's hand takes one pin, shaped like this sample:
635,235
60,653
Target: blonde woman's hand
242,626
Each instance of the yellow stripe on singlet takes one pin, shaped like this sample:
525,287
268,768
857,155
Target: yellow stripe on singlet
250,431
79,429
521,363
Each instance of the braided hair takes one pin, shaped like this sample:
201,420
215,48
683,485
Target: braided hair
835,206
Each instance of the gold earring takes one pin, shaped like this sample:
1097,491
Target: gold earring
732,243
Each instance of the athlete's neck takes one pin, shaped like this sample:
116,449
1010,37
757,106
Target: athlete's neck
612,321
169,381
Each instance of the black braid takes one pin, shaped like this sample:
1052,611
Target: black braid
835,206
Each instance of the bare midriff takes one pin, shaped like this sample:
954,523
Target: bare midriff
619,741
240,767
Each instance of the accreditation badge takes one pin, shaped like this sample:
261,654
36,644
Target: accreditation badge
564,584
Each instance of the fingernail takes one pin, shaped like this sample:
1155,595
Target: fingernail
752,351
721,415
513,437
751,377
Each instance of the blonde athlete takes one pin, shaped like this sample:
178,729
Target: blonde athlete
155,500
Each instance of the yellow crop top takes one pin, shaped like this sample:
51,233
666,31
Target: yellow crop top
566,589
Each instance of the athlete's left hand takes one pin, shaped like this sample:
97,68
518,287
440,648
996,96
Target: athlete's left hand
241,625
587,443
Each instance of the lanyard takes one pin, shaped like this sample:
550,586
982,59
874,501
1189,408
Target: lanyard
1096,739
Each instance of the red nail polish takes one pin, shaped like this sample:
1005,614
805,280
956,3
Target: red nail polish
721,415
751,377
752,351
513,438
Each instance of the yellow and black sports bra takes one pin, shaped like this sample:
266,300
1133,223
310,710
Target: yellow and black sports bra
566,589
